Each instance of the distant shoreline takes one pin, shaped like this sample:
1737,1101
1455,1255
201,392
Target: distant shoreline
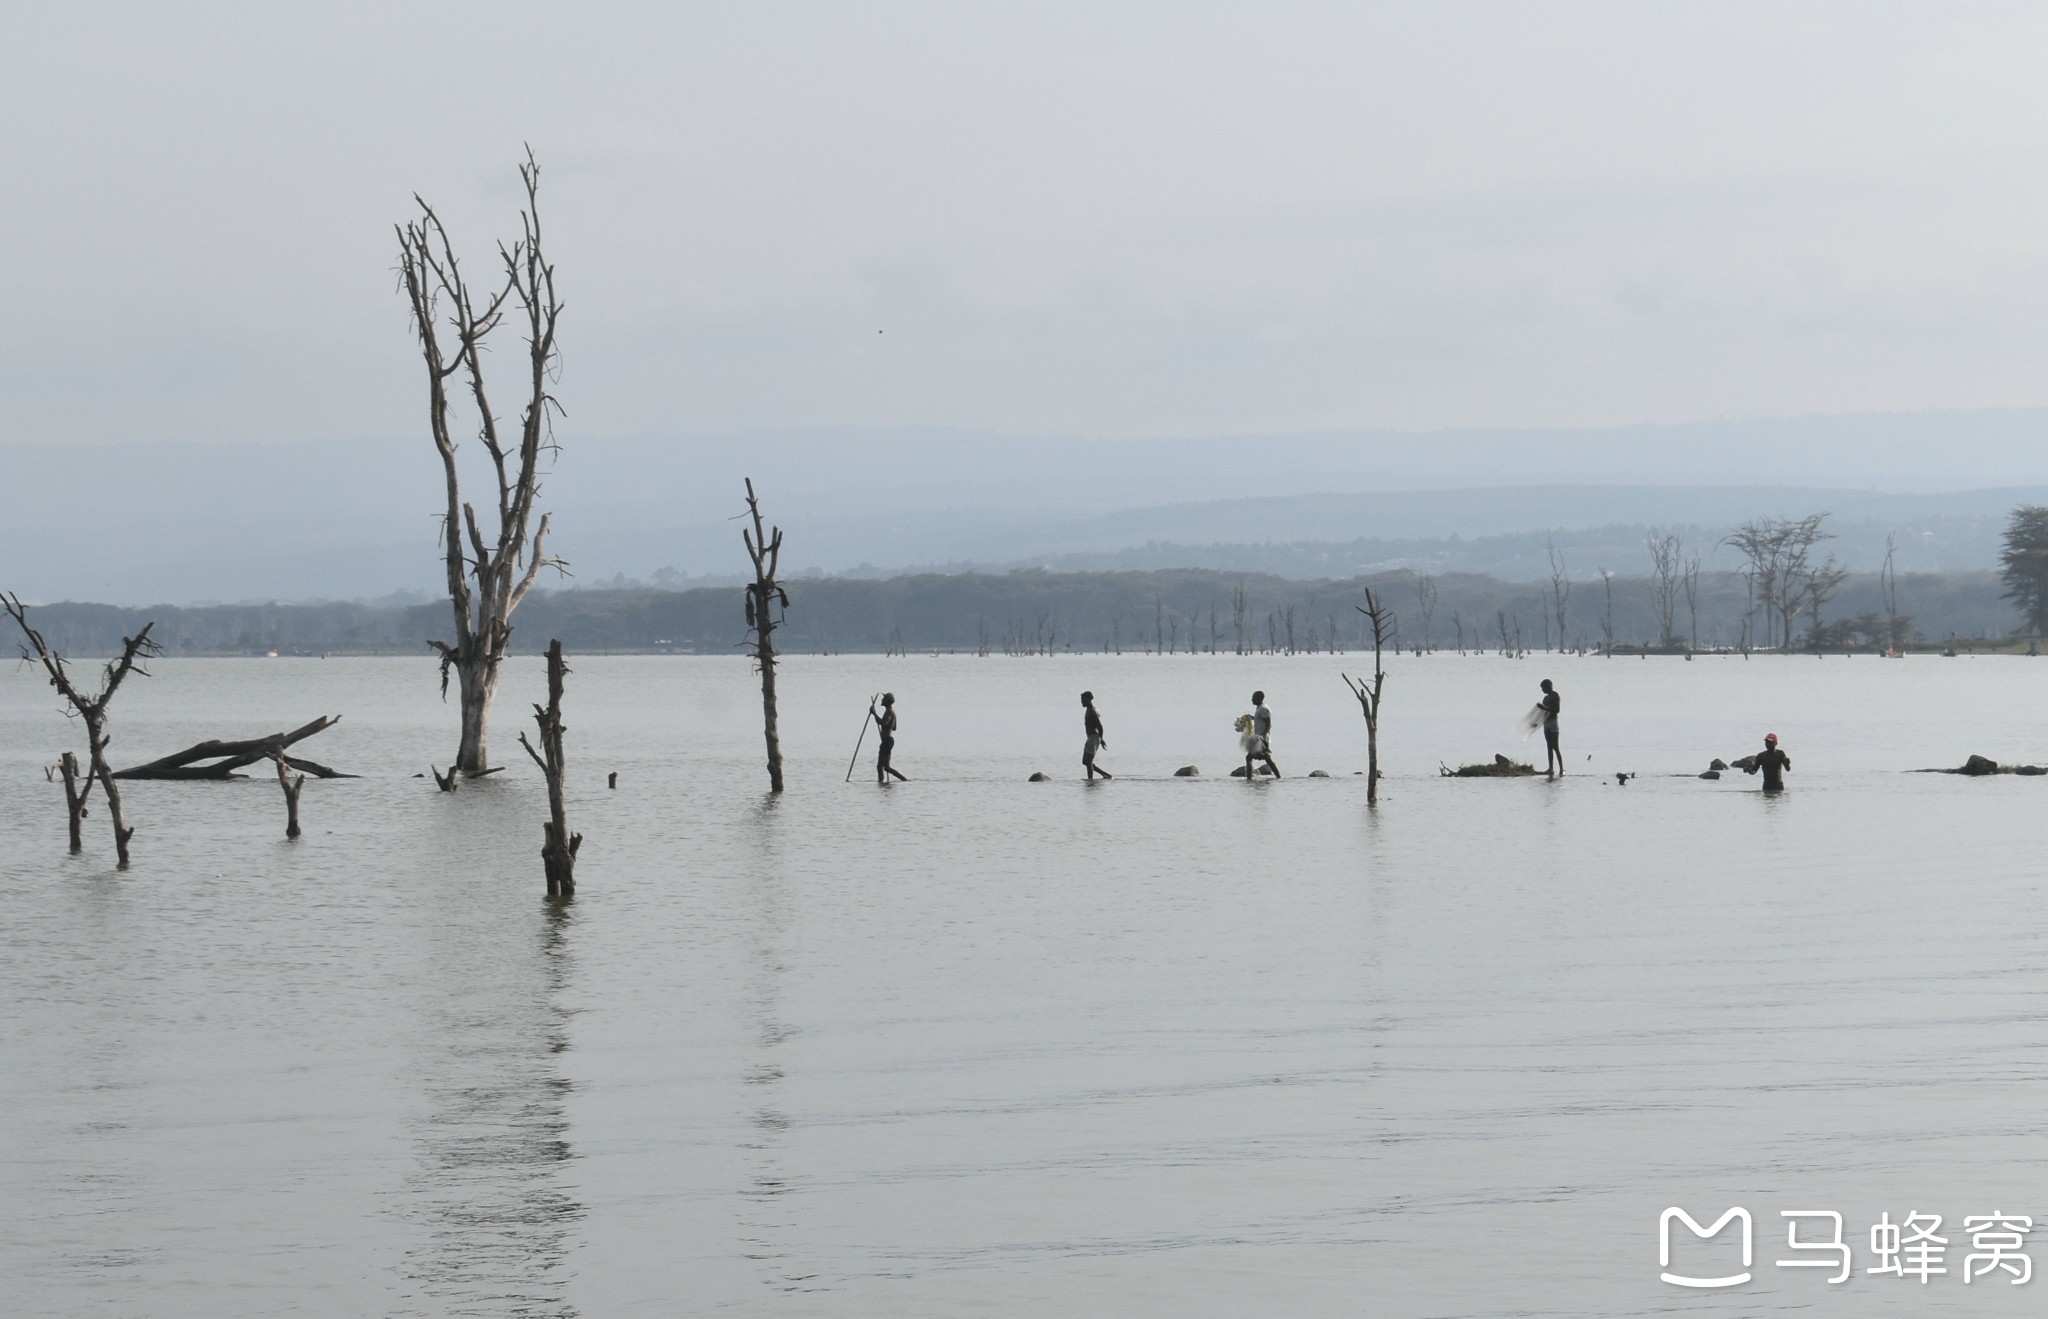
1169,611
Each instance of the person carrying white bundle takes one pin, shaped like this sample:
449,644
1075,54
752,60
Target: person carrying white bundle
1256,737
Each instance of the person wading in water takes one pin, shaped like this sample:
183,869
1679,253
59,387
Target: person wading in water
885,721
1550,704
1773,763
1259,741
1091,725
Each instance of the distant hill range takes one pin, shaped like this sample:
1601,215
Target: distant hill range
358,519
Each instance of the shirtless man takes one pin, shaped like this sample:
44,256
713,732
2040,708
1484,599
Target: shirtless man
1773,763
1091,726
1550,704
1261,744
885,721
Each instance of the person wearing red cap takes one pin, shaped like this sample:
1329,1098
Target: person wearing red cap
1773,763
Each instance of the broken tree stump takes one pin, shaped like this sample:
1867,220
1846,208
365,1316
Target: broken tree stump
558,846
291,783
74,799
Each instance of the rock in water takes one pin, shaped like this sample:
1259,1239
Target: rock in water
1712,773
1040,777
1979,765
1718,765
1319,773
1187,772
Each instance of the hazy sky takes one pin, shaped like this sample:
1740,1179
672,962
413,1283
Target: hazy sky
1098,219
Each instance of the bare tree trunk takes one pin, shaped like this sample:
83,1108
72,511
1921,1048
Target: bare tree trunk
477,684
97,737
74,799
1691,578
764,547
1369,697
487,577
1560,593
558,846
291,783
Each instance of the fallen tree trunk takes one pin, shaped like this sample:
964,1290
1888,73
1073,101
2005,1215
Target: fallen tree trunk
227,757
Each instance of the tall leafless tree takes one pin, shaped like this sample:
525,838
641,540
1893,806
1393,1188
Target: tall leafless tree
1238,602
1560,592
1425,599
1667,570
490,573
1369,697
91,709
1818,588
1690,579
1607,613
1779,553
1888,587
764,597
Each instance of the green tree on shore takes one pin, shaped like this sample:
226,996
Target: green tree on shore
2025,565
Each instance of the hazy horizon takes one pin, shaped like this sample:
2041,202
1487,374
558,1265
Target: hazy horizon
962,284
185,523
1142,219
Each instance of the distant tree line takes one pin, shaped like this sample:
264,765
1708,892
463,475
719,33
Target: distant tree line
1176,612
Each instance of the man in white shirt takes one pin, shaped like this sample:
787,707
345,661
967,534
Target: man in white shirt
1260,747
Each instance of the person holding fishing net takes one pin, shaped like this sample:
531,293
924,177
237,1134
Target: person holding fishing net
1544,716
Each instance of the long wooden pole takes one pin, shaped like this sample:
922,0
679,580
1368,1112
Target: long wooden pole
863,736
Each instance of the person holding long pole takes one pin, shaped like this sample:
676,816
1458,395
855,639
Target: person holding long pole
885,723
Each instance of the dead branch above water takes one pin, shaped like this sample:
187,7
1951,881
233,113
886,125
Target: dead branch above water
227,757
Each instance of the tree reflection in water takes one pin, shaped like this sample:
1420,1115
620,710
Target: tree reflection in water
489,1193
766,1221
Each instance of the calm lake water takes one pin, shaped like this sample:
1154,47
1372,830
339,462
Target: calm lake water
976,1046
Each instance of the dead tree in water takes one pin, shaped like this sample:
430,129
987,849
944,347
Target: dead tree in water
291,783
487,577
559,846
1667,571
1369,697
93,710
764,547
74,798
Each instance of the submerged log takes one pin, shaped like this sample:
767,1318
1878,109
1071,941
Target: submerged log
227,757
